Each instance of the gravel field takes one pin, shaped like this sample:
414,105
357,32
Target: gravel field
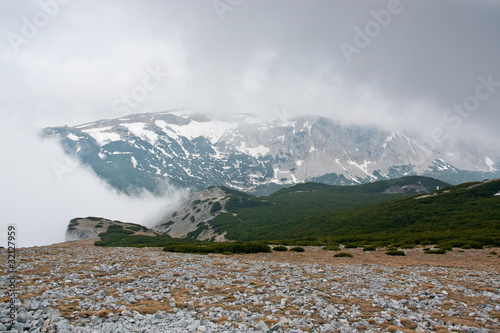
76,287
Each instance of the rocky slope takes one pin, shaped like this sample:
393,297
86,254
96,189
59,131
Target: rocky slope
194,217
144,151
193,214
90,227
68,288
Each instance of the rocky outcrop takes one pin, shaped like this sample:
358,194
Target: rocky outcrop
89,227
192,215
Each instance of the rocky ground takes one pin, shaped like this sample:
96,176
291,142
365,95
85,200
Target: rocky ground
75,287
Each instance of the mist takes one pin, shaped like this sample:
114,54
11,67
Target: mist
43,189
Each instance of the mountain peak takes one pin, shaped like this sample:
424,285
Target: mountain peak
195,150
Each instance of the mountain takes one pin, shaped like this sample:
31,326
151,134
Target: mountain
399,212
217,212
393,211
196,151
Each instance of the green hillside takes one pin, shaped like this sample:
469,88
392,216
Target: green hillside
400,212
464,213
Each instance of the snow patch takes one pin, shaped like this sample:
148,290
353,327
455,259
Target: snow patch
73,137
253,151
442,166
134,161
497,194
338,162
213,130
138,129
363,167
390,138
489,163
101,136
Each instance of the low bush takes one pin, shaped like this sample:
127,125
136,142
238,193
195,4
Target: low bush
216,207
369,248
343,254
297,249
331,248
250,247
438,251
394,252
280,248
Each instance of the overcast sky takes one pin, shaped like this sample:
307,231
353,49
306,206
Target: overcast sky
426,66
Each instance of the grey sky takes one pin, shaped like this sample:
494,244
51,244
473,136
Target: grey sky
72,63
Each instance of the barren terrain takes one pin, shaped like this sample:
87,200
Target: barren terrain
75,286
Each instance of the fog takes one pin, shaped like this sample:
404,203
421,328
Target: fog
46,189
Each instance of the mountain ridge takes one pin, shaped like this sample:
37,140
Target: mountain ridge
145,151
314,214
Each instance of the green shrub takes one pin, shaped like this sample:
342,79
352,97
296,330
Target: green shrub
343,254
227,253
351,246
393,252
297,249
369,248
438,251
215,207
280,248
476,245
166,224
445,247
406,246
233,247
493,253
73,223
331,248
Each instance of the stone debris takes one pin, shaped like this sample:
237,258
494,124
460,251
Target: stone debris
147,290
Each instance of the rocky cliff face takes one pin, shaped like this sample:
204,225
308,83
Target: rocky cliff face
195,151
189,220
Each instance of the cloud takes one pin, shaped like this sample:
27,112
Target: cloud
76,58
44,189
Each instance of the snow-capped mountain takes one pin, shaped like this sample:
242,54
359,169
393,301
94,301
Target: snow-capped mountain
143,151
